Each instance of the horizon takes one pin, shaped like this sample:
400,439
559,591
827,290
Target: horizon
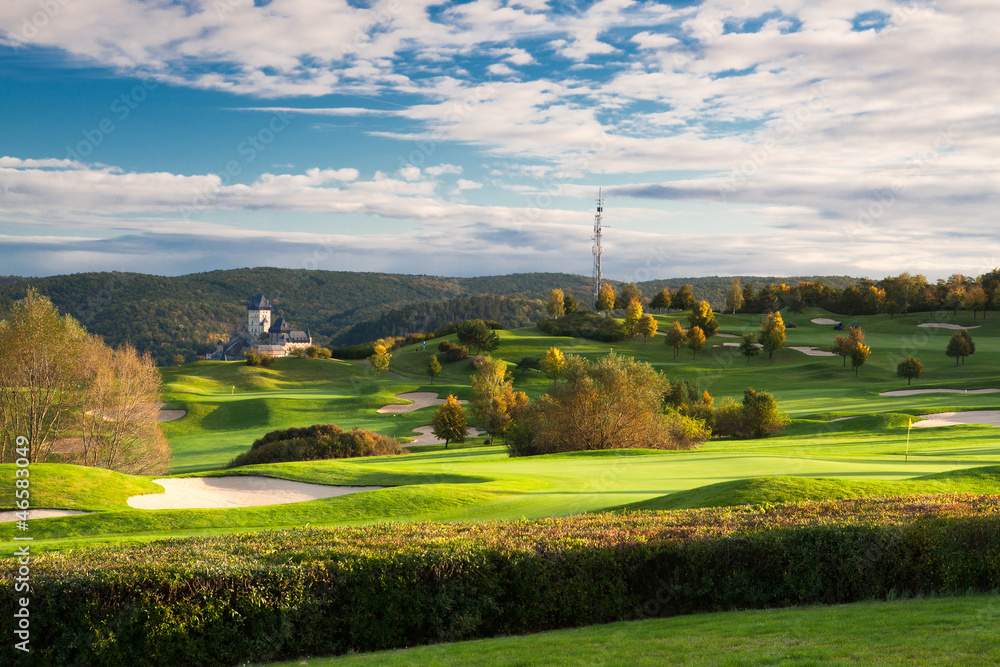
469,138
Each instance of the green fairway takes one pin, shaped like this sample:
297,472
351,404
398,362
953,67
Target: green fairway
230,404
940,631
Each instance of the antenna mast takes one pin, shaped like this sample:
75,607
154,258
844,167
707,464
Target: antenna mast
597,246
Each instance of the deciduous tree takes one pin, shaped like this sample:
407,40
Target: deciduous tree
569,304
449,423
628,293
960,346
554,363
605,299
975,299
859,355
478,334
661,300
761,414
633,313
683,298
734,298
772,333
695,339
379,360
556,306
702,317
433,367
749,347
676,337
910,368
647,327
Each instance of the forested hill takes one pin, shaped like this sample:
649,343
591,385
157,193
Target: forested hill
714,288
185,315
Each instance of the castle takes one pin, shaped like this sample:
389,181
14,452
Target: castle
277,339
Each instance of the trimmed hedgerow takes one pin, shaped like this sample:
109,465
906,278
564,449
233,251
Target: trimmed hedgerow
271,595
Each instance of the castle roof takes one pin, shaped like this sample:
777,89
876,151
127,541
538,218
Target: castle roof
259,302
280,325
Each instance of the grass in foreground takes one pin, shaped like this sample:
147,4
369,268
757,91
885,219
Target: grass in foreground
937,631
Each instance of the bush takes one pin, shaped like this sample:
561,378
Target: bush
757,417
585,324
266,360
452,352
267,596
316,442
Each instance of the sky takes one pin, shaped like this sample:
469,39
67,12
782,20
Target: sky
793,137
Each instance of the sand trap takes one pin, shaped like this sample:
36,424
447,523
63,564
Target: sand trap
722,335
942,325
426,437
236,491
169,415
988,417
840,419
824,320
812,351
421,399
11,515
914,392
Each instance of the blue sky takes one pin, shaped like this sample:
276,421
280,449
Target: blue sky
470,138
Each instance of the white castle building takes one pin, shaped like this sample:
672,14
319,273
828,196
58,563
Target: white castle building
261,335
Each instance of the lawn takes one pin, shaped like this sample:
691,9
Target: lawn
231,404
937,631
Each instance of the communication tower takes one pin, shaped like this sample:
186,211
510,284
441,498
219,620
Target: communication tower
597,246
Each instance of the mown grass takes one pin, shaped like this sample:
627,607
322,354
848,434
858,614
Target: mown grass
930,631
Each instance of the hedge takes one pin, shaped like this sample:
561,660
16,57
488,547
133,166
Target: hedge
279,595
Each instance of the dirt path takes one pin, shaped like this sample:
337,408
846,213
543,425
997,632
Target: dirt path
11,515
914,392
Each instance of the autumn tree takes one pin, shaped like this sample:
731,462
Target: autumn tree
433,367
556,306
748,346
960,346
683,298
633,313
554,363
57,381
772,333
118,425
661,300
569,304
449,423
761,414
910,368
629,292
605,299
647,327
702,317
695,340
859,355
842,345
41,379
734,298
380,358
611,403
975,299
676,337
488,406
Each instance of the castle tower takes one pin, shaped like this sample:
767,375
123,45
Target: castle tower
258,316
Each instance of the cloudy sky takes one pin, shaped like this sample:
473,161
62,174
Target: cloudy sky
788,137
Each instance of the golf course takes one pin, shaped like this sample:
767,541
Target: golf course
849,436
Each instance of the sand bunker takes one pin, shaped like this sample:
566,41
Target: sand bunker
812,351
988,417
11,515
840,419
426,437
236,491
823,320
914,392
169,415
942,325
724,335
421,399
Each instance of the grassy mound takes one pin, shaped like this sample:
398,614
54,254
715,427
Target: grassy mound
73,487
585,324
780,489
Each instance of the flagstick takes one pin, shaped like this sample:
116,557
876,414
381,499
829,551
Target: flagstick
907,458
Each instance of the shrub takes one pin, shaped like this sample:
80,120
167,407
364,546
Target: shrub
585,324
452,352
316,442
267,596
266,360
